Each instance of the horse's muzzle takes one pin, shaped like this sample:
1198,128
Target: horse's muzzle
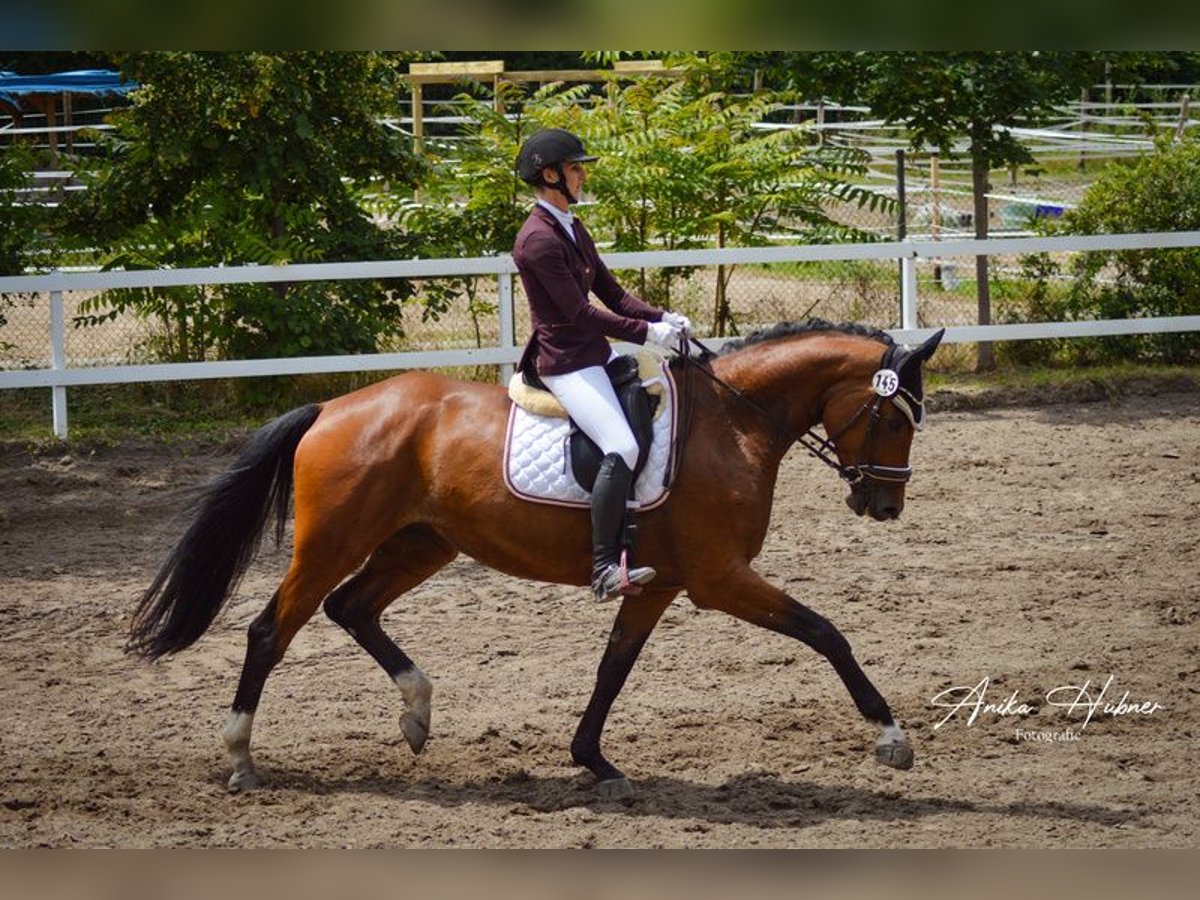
883,503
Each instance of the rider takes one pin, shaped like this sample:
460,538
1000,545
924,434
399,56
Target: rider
568,350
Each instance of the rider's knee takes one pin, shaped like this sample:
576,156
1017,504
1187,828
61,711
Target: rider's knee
627,448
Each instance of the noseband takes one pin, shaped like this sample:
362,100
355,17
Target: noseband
886,386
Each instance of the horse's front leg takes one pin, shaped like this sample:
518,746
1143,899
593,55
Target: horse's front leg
747,596
635,620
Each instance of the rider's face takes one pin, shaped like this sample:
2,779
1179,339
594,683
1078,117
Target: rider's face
575,175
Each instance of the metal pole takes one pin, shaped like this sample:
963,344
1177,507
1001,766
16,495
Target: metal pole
508,336
908,292
901,217
935,186
58,361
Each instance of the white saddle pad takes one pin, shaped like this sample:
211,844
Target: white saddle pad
537,449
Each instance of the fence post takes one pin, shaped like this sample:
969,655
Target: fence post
901,218
508,335
908,292
58,361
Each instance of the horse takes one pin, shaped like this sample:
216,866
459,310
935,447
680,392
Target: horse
391,482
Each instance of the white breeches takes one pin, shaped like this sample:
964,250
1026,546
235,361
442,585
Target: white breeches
588,397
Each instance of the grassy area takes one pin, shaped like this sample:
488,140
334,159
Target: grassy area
218,411
108,414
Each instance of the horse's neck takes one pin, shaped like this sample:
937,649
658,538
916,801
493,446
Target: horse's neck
792,378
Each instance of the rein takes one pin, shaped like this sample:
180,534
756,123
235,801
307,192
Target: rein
824,449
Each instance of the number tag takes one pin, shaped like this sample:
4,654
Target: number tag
886,382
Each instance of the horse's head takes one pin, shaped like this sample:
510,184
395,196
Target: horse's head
871,421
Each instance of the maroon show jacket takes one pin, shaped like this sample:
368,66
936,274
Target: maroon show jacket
568,331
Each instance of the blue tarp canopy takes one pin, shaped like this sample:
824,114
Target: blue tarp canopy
85,81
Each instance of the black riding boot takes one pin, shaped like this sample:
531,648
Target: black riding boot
611,576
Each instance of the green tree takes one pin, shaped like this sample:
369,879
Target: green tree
944,97
22,222
471,204
684,163
238,157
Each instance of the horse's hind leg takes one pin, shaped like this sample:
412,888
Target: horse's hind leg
405,560
269,635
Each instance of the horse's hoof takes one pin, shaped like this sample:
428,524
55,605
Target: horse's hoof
245,780
614,789
896,755
414,731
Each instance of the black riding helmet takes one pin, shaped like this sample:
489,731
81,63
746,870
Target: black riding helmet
550,149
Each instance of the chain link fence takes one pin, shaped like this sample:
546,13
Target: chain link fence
25,334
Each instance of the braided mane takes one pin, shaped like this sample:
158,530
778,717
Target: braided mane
812,326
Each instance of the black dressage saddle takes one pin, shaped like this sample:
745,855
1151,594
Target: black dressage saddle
638,406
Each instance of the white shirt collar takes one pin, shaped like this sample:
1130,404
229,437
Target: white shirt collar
565,219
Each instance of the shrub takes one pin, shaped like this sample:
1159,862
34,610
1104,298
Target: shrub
1158,192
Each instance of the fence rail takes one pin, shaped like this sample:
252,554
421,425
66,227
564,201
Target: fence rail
58,375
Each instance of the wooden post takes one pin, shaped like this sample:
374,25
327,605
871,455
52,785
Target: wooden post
980,187
1183,116
418,117
420,74
67,120
49,106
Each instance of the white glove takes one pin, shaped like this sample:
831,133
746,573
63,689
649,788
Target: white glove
664,334
682,322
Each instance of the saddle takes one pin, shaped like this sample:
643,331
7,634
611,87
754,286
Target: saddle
548,459
634,397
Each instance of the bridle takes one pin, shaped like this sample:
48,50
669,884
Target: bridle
885,386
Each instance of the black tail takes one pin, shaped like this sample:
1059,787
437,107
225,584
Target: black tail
203,570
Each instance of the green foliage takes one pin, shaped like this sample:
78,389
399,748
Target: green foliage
20,221
472,203
1159,192
684,164
228,158
22,224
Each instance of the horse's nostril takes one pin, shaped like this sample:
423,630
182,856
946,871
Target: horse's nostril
885,511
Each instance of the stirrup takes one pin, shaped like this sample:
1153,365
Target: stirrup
617,580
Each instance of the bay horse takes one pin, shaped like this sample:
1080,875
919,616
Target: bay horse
393,481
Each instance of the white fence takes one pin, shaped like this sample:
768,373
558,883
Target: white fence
58,376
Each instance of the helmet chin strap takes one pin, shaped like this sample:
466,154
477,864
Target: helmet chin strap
561,185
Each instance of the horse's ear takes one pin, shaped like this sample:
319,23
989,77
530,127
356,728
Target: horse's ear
925,351
908,362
